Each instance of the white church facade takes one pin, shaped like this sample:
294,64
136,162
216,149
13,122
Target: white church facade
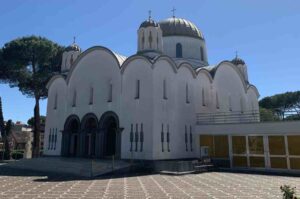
144,106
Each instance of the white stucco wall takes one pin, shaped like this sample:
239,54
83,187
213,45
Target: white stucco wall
98,68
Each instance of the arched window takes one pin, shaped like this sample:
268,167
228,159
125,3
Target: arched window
178,50
202,53
165,90
74,99
143,40
55,102
150,39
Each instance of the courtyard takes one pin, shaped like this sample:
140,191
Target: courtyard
21,184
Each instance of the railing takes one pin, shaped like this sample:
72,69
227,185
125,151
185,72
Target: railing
245,117
228,117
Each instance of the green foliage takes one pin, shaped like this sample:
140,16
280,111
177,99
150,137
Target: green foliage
288,192
1,120
267,115
17,154
283,104
7,130
28,63
30,122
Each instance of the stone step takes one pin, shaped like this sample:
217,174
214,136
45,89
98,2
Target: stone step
72,166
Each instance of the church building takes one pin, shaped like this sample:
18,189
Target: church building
149,105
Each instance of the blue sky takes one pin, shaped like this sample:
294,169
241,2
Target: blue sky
265,33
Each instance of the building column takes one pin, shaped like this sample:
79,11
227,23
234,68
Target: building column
99,143
287,152
230,149
247,151
82,143
266,152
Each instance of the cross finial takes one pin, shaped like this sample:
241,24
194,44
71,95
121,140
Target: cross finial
236,54
74,40
173,11
149,12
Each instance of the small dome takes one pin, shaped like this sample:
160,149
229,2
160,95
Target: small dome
178,26
237,61
73,47
148,23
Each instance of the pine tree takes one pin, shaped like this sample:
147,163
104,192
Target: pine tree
2,128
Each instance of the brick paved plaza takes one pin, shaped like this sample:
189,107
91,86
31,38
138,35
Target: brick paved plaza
205,185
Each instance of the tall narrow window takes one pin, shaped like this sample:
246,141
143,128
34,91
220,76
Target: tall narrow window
137,89
186,138
110,92
242,104
55,102
191,138
178,50
49,139
131,137
91,100
162,137
202,53
168,138
143,41
217,101
142,137
136,137
55,138
203,97
187,98
52,139
150,39
165,90
229,103
74,99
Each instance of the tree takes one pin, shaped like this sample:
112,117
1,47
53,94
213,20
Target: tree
285,105
2,128
8,127
5,132
30,122
28,63
267,115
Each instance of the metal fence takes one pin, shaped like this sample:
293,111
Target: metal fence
245,117
228,117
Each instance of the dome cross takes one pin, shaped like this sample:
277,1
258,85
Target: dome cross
173,11
236,54
149,12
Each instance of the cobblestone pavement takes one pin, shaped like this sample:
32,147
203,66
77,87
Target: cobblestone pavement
28,185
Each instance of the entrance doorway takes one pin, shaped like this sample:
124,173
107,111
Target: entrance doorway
89,127
70,137
109,123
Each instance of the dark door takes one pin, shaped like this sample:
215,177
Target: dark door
111,141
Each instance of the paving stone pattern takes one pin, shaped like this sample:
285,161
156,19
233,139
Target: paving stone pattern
26,185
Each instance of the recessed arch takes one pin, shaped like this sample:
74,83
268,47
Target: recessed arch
70,137
111,134
89,128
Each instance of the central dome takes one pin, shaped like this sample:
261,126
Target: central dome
181,27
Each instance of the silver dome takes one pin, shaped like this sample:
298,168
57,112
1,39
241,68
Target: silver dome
178,26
